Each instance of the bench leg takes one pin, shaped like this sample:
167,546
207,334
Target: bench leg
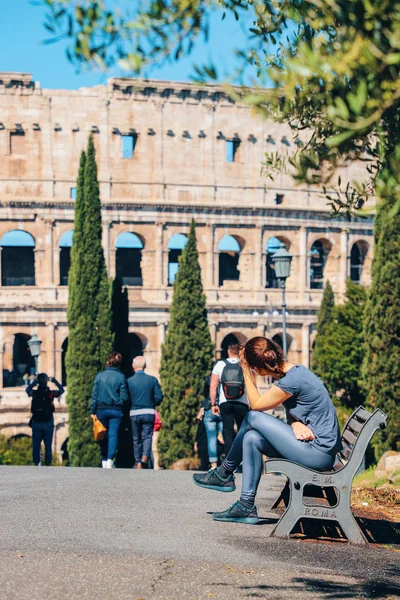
352,531
283,497
293,513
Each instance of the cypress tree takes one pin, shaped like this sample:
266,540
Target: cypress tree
187,357
324,319
341,349
381,367
89,313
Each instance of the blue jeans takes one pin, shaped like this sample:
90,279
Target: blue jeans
213,424
264,434
42,431
142,433
111,419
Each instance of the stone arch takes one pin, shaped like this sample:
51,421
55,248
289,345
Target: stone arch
175,246
16,431
20,436
358,252
65,245
17,258
137,343
318,256
23,364
278,339
235,337
64,348
229,249
273,244
129,248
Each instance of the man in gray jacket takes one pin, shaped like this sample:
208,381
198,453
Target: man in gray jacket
146,394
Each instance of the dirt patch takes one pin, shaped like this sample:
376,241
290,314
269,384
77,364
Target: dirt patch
376,502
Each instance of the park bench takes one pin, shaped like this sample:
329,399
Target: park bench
304,487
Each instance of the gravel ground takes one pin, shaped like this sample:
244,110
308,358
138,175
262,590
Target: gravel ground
125,534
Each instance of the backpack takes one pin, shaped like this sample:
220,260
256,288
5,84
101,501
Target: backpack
232,380
42,405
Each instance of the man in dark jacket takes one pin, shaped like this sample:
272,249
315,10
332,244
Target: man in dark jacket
145,393
109,395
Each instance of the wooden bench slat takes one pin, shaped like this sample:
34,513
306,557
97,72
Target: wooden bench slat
355,425
346,452
349,437
363,415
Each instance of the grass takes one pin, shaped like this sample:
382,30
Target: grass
367,479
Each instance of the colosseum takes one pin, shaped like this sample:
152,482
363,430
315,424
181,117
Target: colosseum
167,152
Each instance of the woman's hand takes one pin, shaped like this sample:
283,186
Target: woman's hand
302,432
215,410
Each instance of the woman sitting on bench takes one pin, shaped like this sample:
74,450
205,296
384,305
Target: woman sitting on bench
311,436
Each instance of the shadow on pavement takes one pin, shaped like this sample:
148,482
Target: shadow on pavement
328,589
377,531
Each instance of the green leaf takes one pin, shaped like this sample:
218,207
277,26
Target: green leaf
342,108
338,139
357,101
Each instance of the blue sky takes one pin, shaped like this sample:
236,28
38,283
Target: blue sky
22,50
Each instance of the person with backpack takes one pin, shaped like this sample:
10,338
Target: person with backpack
310,437
42,421
227,379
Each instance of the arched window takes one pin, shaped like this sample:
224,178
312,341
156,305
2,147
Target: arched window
65,245
137,344
23,364
175,246
64,349
129,257
231,338
17,259
273,244
229,253
278,339
318,255
358,253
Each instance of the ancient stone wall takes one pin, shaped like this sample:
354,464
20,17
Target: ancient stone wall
178,171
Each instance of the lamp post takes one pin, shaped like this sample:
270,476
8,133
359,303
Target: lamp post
34,347
282,259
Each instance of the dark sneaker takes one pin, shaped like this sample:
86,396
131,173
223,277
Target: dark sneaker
238,513
212,480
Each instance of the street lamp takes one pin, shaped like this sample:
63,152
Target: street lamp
34,347
282,259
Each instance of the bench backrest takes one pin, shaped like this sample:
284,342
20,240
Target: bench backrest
357,433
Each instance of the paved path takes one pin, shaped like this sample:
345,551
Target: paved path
71,534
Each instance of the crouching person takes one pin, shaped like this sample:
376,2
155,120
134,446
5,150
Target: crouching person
110,393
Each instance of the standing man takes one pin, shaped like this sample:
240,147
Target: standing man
42,409
227,378
146,395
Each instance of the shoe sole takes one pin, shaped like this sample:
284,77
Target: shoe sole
247,520
215,487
